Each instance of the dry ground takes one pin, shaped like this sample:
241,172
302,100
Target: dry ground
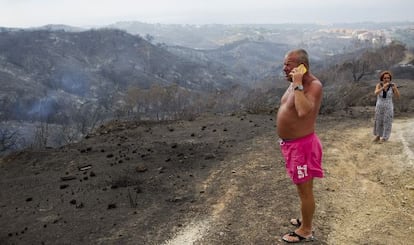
215,180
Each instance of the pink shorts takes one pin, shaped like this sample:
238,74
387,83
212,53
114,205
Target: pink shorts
303,158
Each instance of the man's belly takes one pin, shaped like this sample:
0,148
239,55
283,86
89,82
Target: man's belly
293,129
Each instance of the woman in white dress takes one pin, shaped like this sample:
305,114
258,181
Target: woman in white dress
384,109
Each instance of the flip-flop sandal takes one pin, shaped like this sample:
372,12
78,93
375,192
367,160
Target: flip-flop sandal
299,237
295,222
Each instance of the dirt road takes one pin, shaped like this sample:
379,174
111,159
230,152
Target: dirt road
370,186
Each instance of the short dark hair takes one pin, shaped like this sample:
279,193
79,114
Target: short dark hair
384,73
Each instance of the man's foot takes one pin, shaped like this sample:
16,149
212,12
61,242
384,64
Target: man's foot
382,140
293,237
376,139
295,222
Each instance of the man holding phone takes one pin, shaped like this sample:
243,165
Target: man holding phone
300,146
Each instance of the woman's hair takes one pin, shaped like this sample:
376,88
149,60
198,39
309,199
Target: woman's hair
384,73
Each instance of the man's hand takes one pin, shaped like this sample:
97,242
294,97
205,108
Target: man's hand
296,75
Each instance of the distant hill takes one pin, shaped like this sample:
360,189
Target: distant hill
333,37
249,60
73,67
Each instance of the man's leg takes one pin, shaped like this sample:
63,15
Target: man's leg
307,204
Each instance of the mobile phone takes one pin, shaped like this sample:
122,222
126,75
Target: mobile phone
302,69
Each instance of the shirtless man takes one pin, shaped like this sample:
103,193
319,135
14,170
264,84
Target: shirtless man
299,144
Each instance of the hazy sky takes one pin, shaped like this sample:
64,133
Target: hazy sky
30,13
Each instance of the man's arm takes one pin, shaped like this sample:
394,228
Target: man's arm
306,101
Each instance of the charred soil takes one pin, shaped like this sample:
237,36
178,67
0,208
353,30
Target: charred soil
214,180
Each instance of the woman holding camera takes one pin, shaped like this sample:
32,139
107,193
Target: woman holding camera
384,108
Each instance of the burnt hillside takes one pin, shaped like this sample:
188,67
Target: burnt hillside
74,67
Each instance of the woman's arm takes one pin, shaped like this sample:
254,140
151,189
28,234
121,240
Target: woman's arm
396,91
378,89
